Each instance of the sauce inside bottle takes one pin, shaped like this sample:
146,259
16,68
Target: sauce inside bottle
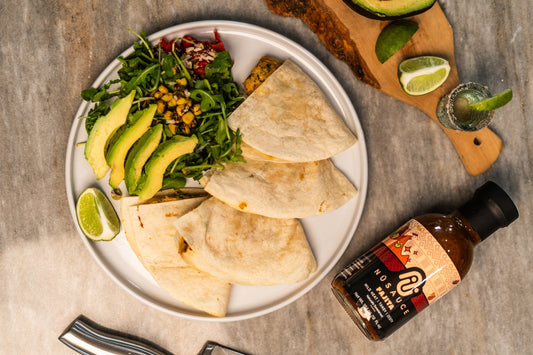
419,262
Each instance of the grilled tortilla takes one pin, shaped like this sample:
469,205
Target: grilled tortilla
294,190
253,154
288,117
244,248
150,231
164,195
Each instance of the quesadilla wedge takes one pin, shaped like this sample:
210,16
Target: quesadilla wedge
288,117
251,153
294,190
164,195
150,231
153,228
244,248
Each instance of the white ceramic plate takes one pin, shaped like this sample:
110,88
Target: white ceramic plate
328,235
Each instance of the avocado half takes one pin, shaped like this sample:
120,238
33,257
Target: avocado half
389,9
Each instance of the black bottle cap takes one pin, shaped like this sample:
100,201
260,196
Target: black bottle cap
489,210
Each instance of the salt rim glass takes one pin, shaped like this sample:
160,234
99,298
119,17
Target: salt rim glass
477,120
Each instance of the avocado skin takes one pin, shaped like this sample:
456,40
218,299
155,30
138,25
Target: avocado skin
375,16
139,155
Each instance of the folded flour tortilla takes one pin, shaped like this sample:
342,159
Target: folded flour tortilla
244,248
150,230
127,219
250,153
294,190
290,118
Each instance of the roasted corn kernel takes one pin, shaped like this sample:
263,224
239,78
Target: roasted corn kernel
161,107
163,89
167,97
187,118
182,101
173,128
196,109
181,109
172,102
168,115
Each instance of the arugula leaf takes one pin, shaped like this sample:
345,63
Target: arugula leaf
220,67
173,181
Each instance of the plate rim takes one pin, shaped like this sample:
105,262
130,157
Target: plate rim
362,188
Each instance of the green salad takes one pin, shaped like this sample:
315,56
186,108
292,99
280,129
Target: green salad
183,89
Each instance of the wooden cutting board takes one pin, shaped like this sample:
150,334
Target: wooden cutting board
352,37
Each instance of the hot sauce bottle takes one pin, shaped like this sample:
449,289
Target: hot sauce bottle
418,263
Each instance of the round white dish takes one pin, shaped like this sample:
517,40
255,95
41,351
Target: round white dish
328,235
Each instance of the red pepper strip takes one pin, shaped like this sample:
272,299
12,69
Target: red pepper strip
218,46
166,45
200,70
217,36
187,41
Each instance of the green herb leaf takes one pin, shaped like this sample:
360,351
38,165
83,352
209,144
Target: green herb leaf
220,68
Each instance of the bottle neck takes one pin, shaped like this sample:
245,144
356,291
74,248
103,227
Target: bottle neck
489,210
465,224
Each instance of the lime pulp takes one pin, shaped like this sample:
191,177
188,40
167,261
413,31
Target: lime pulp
96,216
422,75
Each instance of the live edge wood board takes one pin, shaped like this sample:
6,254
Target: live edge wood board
352,37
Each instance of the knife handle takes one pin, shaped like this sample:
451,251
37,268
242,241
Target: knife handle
88,338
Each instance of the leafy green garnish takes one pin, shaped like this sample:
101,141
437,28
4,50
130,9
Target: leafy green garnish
148,67
220,68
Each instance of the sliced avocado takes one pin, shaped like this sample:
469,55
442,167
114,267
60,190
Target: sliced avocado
139,155
116,155
102,131
152,179
389,9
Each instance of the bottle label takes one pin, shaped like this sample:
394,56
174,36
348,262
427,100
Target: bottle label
399,277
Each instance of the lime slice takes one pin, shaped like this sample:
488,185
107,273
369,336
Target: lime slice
96,216
422,75
393,37
493,102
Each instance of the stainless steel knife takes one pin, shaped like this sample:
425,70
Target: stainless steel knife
88,338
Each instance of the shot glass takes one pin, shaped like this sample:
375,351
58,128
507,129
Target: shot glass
453,111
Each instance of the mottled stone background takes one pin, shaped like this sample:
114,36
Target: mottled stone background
51,50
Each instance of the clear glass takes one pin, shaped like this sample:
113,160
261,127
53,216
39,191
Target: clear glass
453,111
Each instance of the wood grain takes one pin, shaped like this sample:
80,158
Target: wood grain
352,37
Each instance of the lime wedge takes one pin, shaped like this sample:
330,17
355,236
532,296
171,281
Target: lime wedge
493,102
393,37
422,75
96,216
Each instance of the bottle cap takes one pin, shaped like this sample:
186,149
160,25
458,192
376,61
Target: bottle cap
489,210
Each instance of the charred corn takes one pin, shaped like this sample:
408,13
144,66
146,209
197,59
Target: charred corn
178,110
188,117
